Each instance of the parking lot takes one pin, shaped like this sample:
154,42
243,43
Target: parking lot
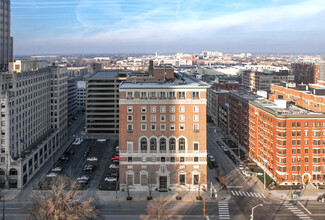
88,163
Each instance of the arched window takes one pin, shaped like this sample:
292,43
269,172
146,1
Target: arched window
153,144
181,144
162,144
2,172
13,172
172,144
144,144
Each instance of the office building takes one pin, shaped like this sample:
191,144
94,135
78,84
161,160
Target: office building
102,102
72,97
81,95
162,135
6,41
33,119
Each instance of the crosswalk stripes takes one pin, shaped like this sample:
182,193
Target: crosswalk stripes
248,194
223,210
300,214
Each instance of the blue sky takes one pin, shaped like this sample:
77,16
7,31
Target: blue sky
144,26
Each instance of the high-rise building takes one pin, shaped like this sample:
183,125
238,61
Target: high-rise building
162,135
72,97
6,41
33,119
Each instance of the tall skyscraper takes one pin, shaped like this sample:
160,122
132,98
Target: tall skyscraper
6,41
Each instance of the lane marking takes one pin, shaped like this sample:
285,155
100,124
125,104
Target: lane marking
304,208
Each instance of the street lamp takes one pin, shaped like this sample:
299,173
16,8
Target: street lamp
252,215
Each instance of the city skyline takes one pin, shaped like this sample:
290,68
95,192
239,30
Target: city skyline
140,26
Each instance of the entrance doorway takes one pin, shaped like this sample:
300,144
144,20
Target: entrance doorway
163,183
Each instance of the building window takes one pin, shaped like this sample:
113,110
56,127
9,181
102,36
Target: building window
130,109
153,109
195,95
181,144
196,109
153,145
196,179
172,144
196,159
153,95
153,159
182,179
144,159
196,127
143,109
153,118
143,95
172,109
143,127
306,159
182,159
130,159
129,179
182,127
172,127
162,109
162,95
130,128
129,95
171,95
162,118
144,179
162,145
182,109
163,127
182,118
163,159
195,118
130,118
130,147
196,146
172,159
153,127
181,95
143,118
144,144
171,118
306,124
306,168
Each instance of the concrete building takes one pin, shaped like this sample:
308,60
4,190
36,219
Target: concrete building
102,102
81,95
283,139
215,97
77,71
33,120
6,41
254,81
311,97
162,135
72,97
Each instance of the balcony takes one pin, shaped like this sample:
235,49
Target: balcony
130,131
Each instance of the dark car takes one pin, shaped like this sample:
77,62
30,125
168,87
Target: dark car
64,158
88,168
86,153
215,164
321,198
70,152
110,186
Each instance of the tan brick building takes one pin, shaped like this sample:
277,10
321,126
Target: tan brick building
163,134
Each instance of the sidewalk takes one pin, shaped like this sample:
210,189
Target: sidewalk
141,196
10,194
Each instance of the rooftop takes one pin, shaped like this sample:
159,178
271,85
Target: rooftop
278,109
100,75
182,81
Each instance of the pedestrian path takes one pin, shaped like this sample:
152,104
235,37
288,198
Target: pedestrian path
223,210
248,194
300,214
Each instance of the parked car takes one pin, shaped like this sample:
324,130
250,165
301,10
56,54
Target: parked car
113,166
78,141
241,166
83,181
215,164
64,158
92,159
110,179
247,173
117,148
50,175
115,158
88,168
70,152
101,140
115,162
113,173
321,198
86,153
83,178
56,169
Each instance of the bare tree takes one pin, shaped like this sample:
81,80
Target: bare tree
223,180
61,201
156,210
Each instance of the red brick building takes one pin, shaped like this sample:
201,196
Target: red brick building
288,142
162,134
226,85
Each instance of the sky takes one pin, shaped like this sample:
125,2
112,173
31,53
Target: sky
167,26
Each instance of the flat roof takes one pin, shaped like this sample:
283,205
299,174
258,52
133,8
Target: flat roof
185,82
108,74
265,103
